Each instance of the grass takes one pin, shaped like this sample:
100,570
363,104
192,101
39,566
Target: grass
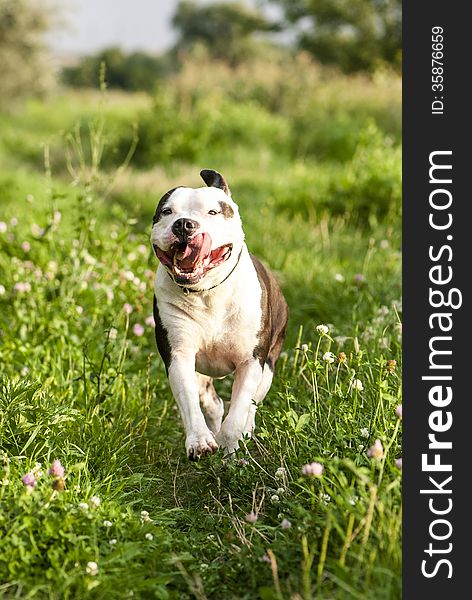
82,385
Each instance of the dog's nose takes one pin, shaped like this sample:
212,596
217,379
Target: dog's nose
184,228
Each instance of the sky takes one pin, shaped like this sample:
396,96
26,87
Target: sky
91,25
132,24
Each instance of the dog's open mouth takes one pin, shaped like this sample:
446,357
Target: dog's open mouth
190,261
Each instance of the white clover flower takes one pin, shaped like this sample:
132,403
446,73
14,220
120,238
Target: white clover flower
357,385
107,523
353,500
280,473
94,501
322,329
280,491
304,348
3,227
112,542
145,518
364,432
2,290
325,498
338,277
92,568
112,334
274,499
149,537
329,357
83,506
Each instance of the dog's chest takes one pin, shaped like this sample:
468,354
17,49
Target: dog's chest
228,336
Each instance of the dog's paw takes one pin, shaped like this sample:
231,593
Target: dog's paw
199,445
229,442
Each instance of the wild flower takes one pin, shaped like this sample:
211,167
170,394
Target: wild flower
325,498
342,358
280,473
36,230
3,227
59,484
391,365
338,277
340,339
57,217
329,357
128,309
112,542
285,524
92,568
142,249
145,518
280,491
79,310
29,480
399,411
149,537
304,348
2,290
94,501
398,463
13,221
314,469
322,329
242,462
107,523
132,256
56,469
376,451
357,385
359,278
25,246
150,321
364,432
251,517
275,499
37,470
22,287
112,334
138,329
353,500
83,506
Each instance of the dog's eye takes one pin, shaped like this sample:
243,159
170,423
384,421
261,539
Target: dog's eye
167,211
212,212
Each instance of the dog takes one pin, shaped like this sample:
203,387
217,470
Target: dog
217,310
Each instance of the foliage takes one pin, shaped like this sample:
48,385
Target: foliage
25,70
125,71
225,29
352,34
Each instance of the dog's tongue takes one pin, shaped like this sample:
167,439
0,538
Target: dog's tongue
192,253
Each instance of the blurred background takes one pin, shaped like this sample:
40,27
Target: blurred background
297,103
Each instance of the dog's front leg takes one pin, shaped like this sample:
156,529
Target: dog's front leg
199,440
247,379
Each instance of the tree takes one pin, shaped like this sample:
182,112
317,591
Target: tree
225,29
353,34
135,71
24,68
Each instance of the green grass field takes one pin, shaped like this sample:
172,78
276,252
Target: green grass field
318,185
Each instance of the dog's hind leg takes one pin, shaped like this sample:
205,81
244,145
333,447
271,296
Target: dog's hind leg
211,403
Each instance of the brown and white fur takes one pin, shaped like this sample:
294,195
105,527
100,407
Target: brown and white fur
217,310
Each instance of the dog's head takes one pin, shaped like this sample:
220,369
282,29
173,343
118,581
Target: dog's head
197,233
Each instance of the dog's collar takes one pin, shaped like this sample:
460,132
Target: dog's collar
188,290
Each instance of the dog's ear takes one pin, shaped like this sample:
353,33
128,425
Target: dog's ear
214,179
